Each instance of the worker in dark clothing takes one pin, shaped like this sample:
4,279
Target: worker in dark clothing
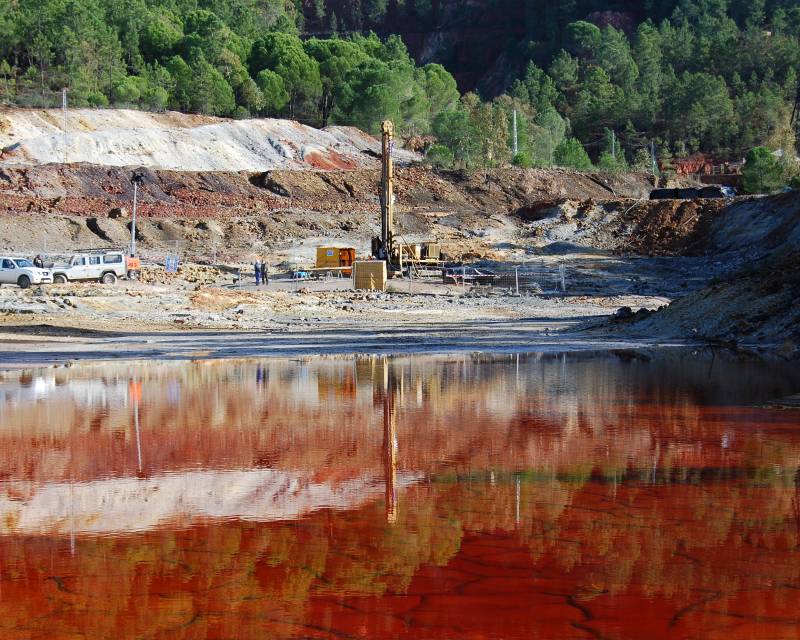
264,272
38,262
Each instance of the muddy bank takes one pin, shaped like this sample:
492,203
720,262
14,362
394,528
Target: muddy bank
755,299
20,350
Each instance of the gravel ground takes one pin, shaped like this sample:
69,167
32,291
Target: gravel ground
191,315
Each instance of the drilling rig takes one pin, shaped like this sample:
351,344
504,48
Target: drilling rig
426,254
383,247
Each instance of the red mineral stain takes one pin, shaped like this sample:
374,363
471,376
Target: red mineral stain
329,161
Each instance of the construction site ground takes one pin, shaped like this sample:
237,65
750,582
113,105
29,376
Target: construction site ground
577,254
196,313
136,320
608,263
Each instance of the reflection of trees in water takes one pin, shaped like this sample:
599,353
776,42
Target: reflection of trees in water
796,500
593,540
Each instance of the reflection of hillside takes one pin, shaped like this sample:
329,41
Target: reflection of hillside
545,412
126,505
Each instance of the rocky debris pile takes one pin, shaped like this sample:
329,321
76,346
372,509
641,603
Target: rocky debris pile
187,273
624,314
755,302
755,308
669,227
758,228
642,227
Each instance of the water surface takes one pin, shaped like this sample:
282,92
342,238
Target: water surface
526,496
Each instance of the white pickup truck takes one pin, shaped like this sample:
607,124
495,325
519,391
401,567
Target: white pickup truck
102,266
21,272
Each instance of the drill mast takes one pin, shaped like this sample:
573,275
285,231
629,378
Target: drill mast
387,189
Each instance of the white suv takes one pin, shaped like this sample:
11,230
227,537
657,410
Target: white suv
105,266
21,271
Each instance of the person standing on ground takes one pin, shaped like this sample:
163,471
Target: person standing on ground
264,273
257,269
38,262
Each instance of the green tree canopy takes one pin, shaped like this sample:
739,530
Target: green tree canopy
273,92
763,171
284,54
209,92
570,153
713,76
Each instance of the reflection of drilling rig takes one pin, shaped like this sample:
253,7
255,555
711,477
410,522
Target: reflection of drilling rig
403,257
390,446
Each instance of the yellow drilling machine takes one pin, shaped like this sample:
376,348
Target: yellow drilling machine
401,258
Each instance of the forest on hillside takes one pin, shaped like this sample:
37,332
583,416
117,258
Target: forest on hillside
611,83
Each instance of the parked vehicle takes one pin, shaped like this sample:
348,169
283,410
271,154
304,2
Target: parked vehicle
717,191
692,193
20,271
102,266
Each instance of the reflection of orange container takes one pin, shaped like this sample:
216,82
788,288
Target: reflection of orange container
341,388
135,391
133,264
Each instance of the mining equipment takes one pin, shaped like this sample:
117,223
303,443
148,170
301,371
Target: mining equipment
400,257
335,261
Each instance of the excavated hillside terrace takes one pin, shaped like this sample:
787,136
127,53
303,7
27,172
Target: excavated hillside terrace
70,206
85,189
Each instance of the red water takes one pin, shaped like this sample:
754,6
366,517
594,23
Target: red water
577,496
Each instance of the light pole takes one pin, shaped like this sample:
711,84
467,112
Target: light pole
137,178
64,110
516,144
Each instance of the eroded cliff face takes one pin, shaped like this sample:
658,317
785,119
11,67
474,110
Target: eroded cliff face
486,44
481,42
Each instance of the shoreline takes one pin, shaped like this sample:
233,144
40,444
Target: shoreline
39,346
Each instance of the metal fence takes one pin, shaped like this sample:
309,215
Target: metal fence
525,279
549,278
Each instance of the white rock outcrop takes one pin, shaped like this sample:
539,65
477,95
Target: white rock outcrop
124,137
